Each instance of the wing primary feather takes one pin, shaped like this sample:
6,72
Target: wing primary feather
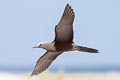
44,62
65,25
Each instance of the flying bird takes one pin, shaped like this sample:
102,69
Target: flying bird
63,42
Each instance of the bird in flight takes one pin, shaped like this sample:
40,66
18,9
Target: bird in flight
63,42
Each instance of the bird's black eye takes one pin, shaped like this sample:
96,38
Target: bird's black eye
40,45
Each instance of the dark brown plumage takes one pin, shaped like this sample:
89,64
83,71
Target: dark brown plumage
63,42
86,49
64,29
44,62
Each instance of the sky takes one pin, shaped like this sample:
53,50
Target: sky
24,23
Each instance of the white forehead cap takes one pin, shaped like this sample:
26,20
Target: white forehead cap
41,43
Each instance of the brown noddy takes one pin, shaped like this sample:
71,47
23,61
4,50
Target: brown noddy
63,42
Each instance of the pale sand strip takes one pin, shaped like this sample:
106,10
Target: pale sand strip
61,76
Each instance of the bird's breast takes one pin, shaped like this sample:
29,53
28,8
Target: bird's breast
51,47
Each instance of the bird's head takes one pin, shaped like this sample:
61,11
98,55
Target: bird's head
39,45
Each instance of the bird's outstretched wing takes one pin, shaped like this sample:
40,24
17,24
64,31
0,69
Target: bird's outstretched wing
44,62
64,29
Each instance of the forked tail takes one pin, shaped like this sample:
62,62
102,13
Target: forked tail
85,49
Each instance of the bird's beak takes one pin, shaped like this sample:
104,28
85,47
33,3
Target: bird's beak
35,47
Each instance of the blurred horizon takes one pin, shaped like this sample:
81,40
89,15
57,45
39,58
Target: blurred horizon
67,69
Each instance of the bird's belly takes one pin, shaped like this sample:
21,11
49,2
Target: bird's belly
62,47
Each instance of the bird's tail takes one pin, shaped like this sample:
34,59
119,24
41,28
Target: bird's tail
90,50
